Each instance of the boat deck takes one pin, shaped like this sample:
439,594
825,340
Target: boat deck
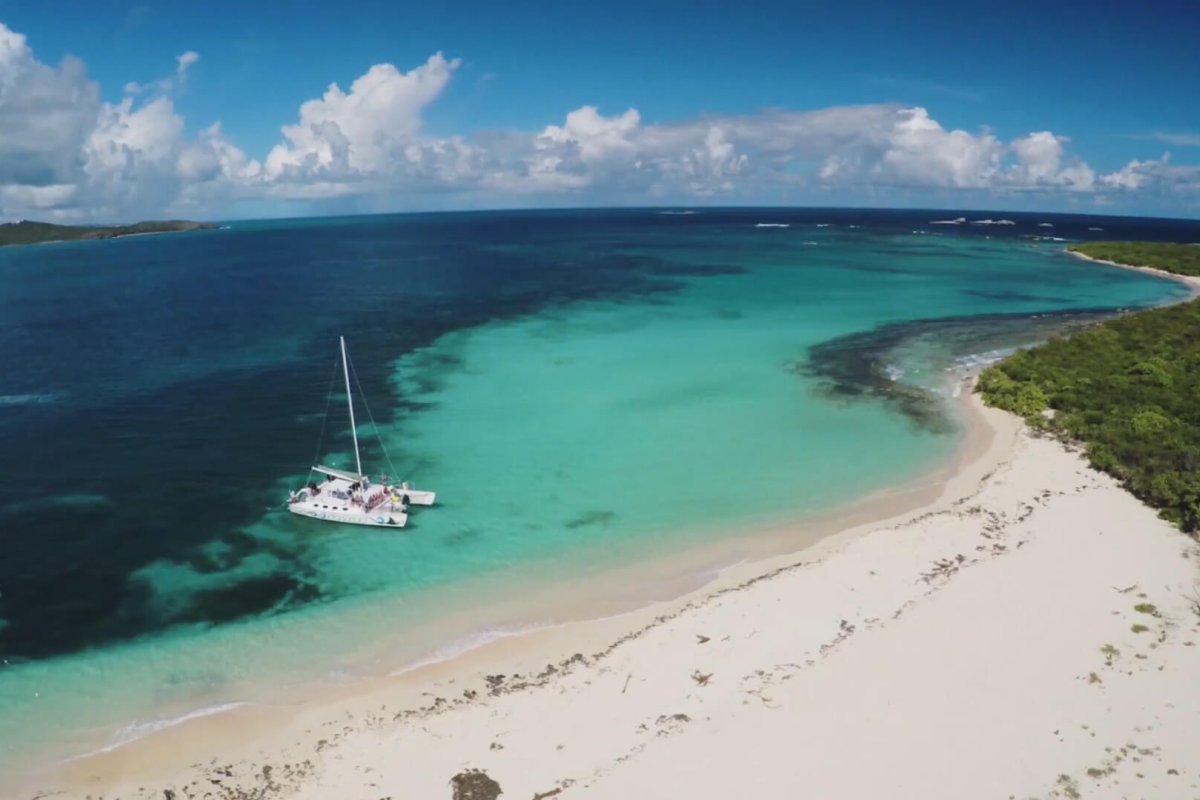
335,500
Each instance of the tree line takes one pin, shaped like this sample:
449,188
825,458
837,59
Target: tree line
1127,389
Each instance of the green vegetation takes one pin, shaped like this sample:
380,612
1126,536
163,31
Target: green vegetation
1146,608
1138,628
26,232
1182,259
1068,786
1126,389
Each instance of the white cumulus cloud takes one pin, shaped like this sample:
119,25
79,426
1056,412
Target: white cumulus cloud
183,61
1157,176
1040,164
46,114
920,152
367,132
66,154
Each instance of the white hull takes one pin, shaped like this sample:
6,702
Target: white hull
381,518
420,498
339,499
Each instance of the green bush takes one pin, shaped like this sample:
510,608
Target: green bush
1183,259
1128,389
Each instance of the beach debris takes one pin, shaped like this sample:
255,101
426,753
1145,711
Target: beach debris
1193,600
1147,608
474,784
701,678
669,724
1126,590
551,793
943,568
626,686
665,718
1068,786
701,638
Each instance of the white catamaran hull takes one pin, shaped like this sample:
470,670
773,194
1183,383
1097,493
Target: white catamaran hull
379,519
341,499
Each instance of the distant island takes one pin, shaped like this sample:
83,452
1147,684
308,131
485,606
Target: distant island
28,232
1125,389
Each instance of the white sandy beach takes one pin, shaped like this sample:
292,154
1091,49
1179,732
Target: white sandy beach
1189,281
984,646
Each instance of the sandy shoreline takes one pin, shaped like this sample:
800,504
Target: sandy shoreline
585,616
1192,282
955,649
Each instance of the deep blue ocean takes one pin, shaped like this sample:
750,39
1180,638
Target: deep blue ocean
566,380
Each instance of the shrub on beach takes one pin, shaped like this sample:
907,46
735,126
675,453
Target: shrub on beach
1126,389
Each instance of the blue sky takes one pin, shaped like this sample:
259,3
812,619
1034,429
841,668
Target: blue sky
1112,86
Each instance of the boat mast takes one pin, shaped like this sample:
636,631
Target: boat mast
350,404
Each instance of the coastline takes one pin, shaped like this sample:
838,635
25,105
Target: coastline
328,745
972,629
1190,281
881,644
103,233
611,601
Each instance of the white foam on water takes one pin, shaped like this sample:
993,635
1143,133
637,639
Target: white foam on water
76,500
714,572
141,729
773,225
31,399
466,644
974,362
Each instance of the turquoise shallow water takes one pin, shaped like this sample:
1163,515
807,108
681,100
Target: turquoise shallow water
721,376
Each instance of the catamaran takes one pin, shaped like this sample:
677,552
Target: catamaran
352,497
